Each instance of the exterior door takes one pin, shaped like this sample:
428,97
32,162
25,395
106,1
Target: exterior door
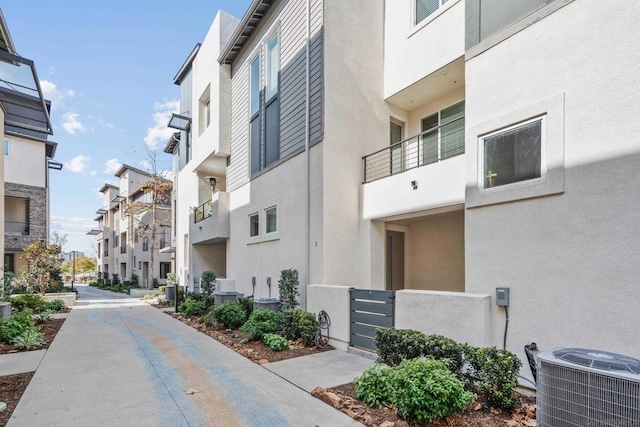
395,261
145,274
395,136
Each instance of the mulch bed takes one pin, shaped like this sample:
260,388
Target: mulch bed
13,386
344,399
49,329
255,351
11,389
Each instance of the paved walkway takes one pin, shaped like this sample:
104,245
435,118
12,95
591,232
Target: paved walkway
118,361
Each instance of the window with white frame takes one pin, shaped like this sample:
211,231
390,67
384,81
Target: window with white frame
513,155
6,147
443,134
271,220
254,225
424,8
264,106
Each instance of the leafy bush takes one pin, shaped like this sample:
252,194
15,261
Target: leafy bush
172,279
396,345
275,342
134,279
208,300
230,314
495,373
299,324
425,390
262,321
247,305
93,283
208,282
30,338
115,280
193,307
288,286
43,317
30,301
54,305
375,386
15,325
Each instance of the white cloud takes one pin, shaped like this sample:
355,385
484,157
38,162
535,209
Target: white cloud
144,164
78,164
70,93
111,166
49,89
72,123
93,173
160,133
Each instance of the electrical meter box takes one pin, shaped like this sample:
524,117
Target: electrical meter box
502,297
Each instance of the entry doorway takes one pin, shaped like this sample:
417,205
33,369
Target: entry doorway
395,260
145,274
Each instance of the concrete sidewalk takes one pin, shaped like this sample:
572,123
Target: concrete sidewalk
117,361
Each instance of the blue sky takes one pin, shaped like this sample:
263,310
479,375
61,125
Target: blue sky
108,69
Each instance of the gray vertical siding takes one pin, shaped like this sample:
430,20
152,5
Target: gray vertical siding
291,19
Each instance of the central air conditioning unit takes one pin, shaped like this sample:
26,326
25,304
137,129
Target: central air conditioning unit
582,387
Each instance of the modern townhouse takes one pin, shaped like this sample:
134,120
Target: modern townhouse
28,154
437,150
127,244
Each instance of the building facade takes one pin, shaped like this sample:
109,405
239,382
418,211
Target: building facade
440,150
28,154
133,228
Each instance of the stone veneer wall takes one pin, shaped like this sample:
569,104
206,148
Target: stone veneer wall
37,215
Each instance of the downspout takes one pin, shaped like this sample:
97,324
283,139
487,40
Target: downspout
308,157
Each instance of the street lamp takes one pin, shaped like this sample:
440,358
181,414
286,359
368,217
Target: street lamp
73,279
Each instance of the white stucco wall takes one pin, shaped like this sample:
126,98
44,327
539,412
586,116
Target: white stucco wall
334,300
26,162
431,312
568,258
413,52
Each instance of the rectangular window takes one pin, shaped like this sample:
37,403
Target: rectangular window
273,67
207,113
264,111
271,215
165,268
443,134
6,147
424,8
145,243
513,154
254,225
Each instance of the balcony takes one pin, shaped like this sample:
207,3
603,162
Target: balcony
123,249
106,253
210,221
426,171
16,228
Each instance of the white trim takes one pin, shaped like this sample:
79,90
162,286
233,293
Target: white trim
416,27
273,235
257,238
543,155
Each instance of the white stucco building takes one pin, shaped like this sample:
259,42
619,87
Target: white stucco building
436,149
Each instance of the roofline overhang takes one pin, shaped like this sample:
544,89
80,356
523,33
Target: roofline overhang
171,144
245,29
5,34
105,186
51,146
123,168
187,65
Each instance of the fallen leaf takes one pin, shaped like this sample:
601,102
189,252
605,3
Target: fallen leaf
193,391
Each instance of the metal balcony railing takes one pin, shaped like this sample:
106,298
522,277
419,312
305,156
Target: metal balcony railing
106,253
16,228
203,211
123,249
431,146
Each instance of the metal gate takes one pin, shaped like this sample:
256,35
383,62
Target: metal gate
369,310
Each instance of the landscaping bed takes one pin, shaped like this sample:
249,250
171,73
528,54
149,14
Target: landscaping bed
344,399
12,388
256,351
49,329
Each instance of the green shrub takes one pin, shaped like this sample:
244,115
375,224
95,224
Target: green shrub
54,305
15,325
247,305
275,342
43,317
208,279
396,345
230,314
30,301
115,279
193,307
208,300
288,287
375,386
93,283
30,338
262,321
208,319
134,279
425,389
162,289
495,372
302,325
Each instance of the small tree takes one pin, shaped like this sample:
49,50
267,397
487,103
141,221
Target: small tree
42,261
288,286
208,282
